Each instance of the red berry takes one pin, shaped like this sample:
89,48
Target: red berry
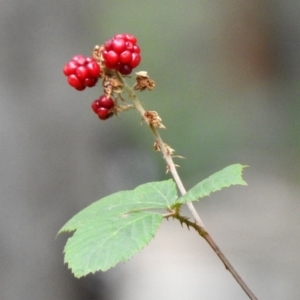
75,82
136,58
129,46
125,57
121,53
112,57
93,68
106,102
82,72
80,59
118,45
130,38
90,82
103,107
125,69
110,66
136,49
89,59
70,68
95,106
103,113
108,45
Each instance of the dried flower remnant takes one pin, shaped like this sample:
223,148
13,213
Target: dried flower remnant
153,119
143,82
112,85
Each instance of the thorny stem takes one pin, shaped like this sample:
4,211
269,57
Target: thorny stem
198,224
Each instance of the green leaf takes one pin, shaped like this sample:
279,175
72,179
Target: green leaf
101,245
231,175
114,228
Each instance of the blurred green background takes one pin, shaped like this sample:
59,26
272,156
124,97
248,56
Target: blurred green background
227,89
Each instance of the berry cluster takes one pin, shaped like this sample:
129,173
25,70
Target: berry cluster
82,72
121,53
103,107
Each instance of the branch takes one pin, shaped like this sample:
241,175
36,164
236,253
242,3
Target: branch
198,224
217,250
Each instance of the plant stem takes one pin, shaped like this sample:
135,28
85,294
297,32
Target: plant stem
217,250
229,267
198,225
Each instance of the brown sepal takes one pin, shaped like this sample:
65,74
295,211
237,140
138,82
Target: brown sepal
143,82
153,119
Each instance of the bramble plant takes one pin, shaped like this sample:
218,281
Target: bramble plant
114,228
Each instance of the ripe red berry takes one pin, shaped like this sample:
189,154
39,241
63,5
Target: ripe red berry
103,113
112,58
108,45
131,38
70,68
90,82
122,53
106,102
80,59
129,46
103,107
125,57
118,45
135,61
136,49
75,82
93,68
125,69
95,106
82,72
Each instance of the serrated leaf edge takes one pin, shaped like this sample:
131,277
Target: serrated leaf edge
195,198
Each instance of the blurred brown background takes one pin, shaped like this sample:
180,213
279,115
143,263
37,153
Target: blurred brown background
227,75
